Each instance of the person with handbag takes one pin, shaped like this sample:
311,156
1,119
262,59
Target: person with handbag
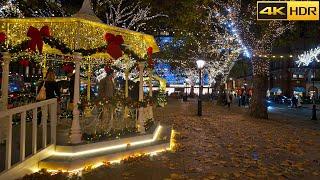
48,89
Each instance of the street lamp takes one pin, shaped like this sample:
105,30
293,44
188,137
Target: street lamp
200,66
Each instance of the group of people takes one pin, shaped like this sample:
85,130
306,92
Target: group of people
240,99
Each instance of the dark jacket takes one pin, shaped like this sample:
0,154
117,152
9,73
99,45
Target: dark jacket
52,89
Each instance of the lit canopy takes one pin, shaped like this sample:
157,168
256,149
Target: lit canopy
76,32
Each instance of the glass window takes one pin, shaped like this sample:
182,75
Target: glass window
301,76
294,76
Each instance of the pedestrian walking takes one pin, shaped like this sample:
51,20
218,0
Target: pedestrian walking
229,99
299,102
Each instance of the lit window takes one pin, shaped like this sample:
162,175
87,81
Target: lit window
301,76
294,76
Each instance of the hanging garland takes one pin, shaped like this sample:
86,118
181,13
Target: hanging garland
114,44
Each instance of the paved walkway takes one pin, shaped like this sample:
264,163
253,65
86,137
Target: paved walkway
225,144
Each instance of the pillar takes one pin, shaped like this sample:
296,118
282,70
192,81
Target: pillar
5,80
87,110
75,132
4,97
44,67
150,110
126,90
140,122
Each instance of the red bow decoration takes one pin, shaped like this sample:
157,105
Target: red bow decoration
150,60
108,69
114,43
36,37
68,68
24,62
3,37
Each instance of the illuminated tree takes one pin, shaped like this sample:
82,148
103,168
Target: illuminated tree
259,38
122,14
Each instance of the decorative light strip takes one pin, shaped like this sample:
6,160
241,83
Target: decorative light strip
108,148
98,164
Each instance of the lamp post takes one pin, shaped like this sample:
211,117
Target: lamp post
200,65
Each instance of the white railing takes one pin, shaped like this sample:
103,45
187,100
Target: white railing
48,112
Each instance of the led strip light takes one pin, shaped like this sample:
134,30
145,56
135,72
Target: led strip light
108,148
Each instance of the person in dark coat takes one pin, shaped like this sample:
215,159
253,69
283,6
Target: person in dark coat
52,88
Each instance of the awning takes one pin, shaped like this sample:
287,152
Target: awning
299,89
275,89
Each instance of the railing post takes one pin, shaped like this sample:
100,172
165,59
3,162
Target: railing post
34,130
9,143
23,136
44,118
53,122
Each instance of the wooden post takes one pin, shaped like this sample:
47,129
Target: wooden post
34,131
9,144
23,136
44,118
4,97
76,135
53,122
140,122
5,80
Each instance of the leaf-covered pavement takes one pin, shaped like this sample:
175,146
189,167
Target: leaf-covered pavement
226,144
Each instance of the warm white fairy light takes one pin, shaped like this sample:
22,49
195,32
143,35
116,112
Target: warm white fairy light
127,16
309,56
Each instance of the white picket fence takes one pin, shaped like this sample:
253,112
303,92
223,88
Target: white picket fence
48,113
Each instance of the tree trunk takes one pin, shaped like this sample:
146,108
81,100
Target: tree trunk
192,91
258,108
222,95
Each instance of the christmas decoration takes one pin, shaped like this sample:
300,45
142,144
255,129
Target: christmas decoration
36,36
24,62
68,67
3,37
309,56
150,60
114,43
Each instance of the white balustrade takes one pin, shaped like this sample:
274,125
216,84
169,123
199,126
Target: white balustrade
7,115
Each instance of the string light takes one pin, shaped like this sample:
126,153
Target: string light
308,56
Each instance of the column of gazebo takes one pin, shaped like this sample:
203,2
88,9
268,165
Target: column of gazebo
140,123
75,131
150,109
4,93
87,109
126,94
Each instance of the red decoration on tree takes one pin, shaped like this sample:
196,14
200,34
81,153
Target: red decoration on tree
36,36
68,68
150,60
3,37
114,43
24,62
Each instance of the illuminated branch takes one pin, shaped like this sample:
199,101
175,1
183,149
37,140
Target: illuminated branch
130,17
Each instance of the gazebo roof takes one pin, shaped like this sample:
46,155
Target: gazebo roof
82,31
